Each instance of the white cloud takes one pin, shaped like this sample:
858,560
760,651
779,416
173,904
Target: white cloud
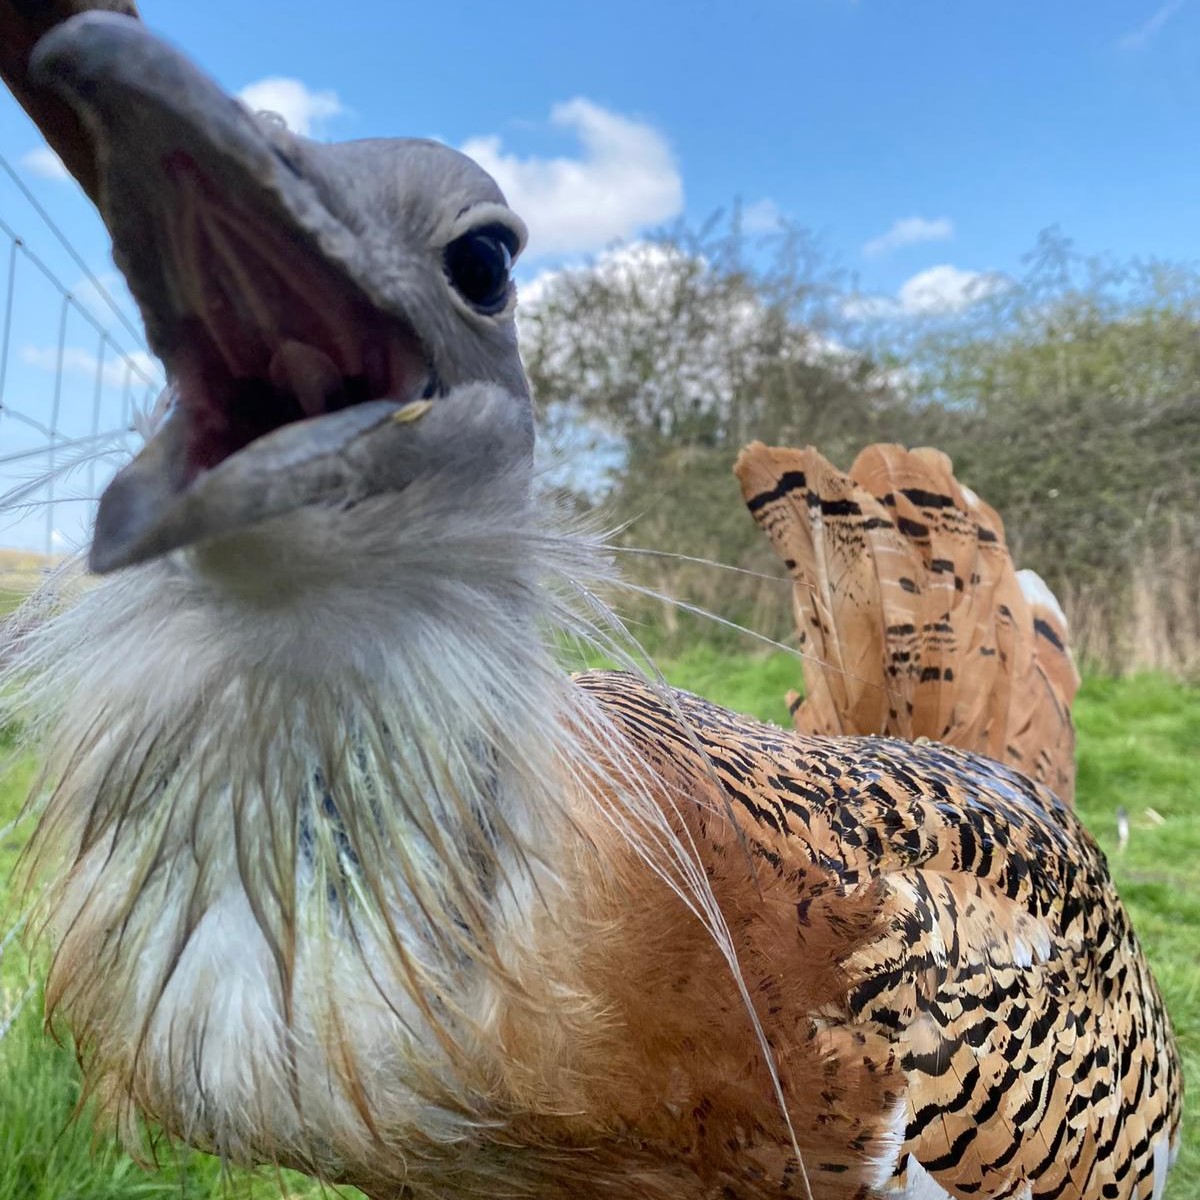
938,291
1149,29
910,231
763,216
300,106
945,289
44,162
624,179
78,361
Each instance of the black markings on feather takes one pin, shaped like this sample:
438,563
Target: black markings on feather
954,1155
924,499
1047,631
834,508
789,481
1006,985
911,528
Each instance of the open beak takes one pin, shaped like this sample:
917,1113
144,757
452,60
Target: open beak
292,382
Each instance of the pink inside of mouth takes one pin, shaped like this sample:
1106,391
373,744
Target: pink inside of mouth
273,333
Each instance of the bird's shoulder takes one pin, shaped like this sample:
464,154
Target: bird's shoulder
861,807
979,947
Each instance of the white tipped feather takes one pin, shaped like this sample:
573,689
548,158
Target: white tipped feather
1036,591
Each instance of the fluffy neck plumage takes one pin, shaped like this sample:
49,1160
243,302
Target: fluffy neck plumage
314,818
342,871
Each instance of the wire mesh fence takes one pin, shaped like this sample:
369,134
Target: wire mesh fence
70,391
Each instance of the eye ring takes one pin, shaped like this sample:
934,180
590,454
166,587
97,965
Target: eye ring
478,264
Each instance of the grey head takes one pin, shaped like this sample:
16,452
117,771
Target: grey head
336,319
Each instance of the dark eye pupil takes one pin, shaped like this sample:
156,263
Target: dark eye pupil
478,264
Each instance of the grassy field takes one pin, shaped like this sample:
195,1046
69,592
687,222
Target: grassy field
1139,747
20,571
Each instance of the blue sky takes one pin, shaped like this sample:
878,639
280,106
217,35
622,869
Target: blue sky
928,143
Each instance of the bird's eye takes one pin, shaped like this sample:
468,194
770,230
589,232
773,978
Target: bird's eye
478,264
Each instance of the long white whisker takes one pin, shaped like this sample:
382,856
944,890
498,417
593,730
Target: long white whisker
696,610
43,451
705,906
19,496
642,551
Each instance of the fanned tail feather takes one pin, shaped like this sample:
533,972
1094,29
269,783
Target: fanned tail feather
914,620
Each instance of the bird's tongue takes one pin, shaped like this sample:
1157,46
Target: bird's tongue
307,373
262,330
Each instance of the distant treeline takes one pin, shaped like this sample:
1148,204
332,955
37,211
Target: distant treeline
1069,399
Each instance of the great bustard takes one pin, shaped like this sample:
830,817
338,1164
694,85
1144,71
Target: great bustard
341,871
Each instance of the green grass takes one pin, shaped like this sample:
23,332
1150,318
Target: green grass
1139,747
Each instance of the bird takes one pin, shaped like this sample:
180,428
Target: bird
340,869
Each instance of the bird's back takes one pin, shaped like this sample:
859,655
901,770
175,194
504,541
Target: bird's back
988,1020
924,924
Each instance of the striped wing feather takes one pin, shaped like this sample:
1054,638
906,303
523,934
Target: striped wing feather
852,606
913,619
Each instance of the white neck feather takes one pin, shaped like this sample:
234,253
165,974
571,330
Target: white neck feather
314,810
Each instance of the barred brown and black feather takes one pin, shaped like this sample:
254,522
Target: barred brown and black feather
917,622
991,967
